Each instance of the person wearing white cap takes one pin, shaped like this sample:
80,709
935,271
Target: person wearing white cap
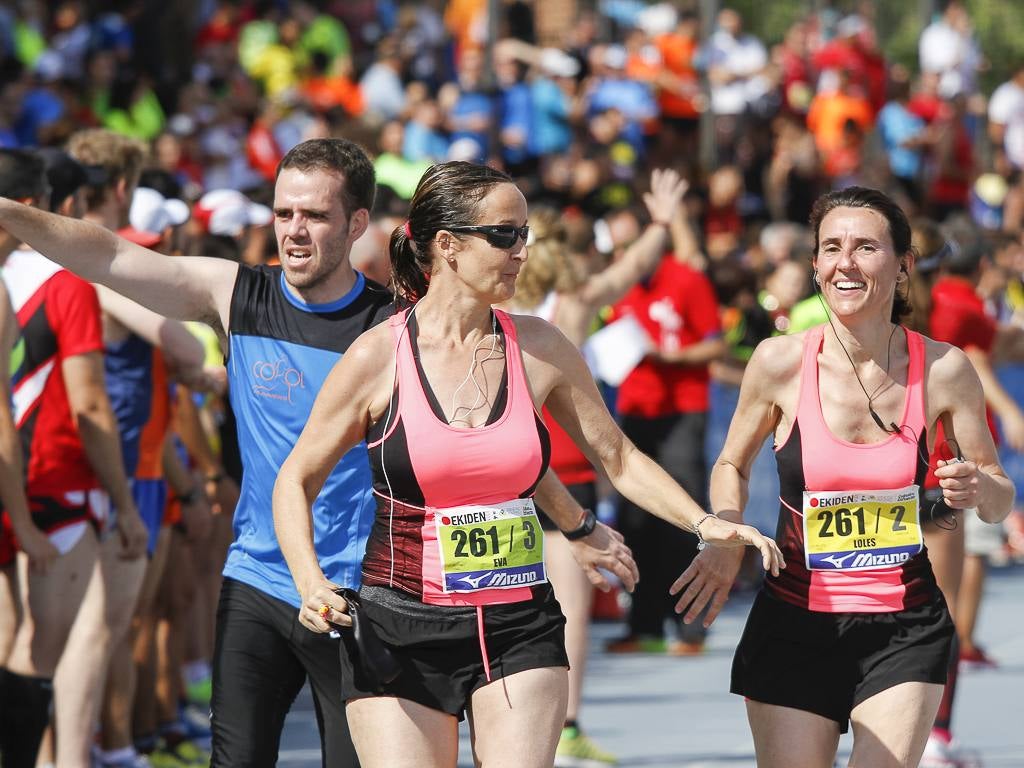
226,214
229,212
152,212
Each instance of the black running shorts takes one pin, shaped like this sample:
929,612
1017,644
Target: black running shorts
828,663
438,648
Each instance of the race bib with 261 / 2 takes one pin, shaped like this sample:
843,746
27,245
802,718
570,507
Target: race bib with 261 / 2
490,546
858,530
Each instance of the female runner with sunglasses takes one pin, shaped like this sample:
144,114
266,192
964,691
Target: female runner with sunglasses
448,397
855,629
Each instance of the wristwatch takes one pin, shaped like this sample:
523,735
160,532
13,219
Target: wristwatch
585,528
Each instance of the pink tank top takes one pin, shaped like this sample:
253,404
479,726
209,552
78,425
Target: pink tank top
431,465
866,560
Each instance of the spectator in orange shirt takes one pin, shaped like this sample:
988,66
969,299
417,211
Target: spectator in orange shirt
326,89
831,109
678,84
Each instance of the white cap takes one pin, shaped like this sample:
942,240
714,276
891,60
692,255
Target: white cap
659,19
851,25
466,148
152,212
615,57
229,212
558,63
49,66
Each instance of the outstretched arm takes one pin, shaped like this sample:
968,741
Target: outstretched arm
603,548
708,579
184,288
182,351
576,404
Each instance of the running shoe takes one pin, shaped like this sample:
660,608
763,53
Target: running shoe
575,750
686,648
134,760
636,644
195,722
200,692
948,754
184,754
975,656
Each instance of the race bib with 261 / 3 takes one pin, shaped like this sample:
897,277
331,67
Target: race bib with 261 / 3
858,530
490,546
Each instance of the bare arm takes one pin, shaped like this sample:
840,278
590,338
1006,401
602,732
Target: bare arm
184,288
956,396
97,427
195,507
181,349
640,259
602,548
576,404
701,353
34,542
708,580
1005,407
684,240
338,421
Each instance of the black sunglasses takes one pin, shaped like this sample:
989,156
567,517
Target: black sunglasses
498,235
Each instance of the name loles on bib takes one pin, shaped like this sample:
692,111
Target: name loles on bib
860,530
490,546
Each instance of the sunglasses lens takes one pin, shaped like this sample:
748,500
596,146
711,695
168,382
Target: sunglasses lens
503,236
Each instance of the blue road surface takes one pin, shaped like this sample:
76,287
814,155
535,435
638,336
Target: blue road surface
660,712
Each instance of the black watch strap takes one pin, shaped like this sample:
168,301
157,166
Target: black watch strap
586,527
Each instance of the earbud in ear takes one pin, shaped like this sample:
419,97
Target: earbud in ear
815,277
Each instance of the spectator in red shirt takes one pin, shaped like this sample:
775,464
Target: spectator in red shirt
664,409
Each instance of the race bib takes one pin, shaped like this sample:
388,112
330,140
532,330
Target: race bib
858,530
490,546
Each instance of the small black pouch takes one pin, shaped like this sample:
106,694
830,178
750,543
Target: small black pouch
376,660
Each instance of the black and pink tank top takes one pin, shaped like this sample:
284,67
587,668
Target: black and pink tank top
422,464
849,519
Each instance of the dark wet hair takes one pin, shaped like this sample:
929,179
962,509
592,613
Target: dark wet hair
22,174
875,200
448,195
339,156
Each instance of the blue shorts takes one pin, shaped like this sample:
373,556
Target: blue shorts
150,497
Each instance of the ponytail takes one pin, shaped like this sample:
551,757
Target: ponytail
409,269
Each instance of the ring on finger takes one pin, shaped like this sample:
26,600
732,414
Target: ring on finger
324,610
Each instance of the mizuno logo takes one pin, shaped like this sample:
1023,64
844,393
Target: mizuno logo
474,582
865,560
838,562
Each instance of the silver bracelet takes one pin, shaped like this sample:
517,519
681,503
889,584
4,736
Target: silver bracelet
696,529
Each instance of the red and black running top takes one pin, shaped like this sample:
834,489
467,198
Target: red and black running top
423,463
866,552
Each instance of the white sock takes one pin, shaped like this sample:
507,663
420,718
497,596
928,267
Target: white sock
117,755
